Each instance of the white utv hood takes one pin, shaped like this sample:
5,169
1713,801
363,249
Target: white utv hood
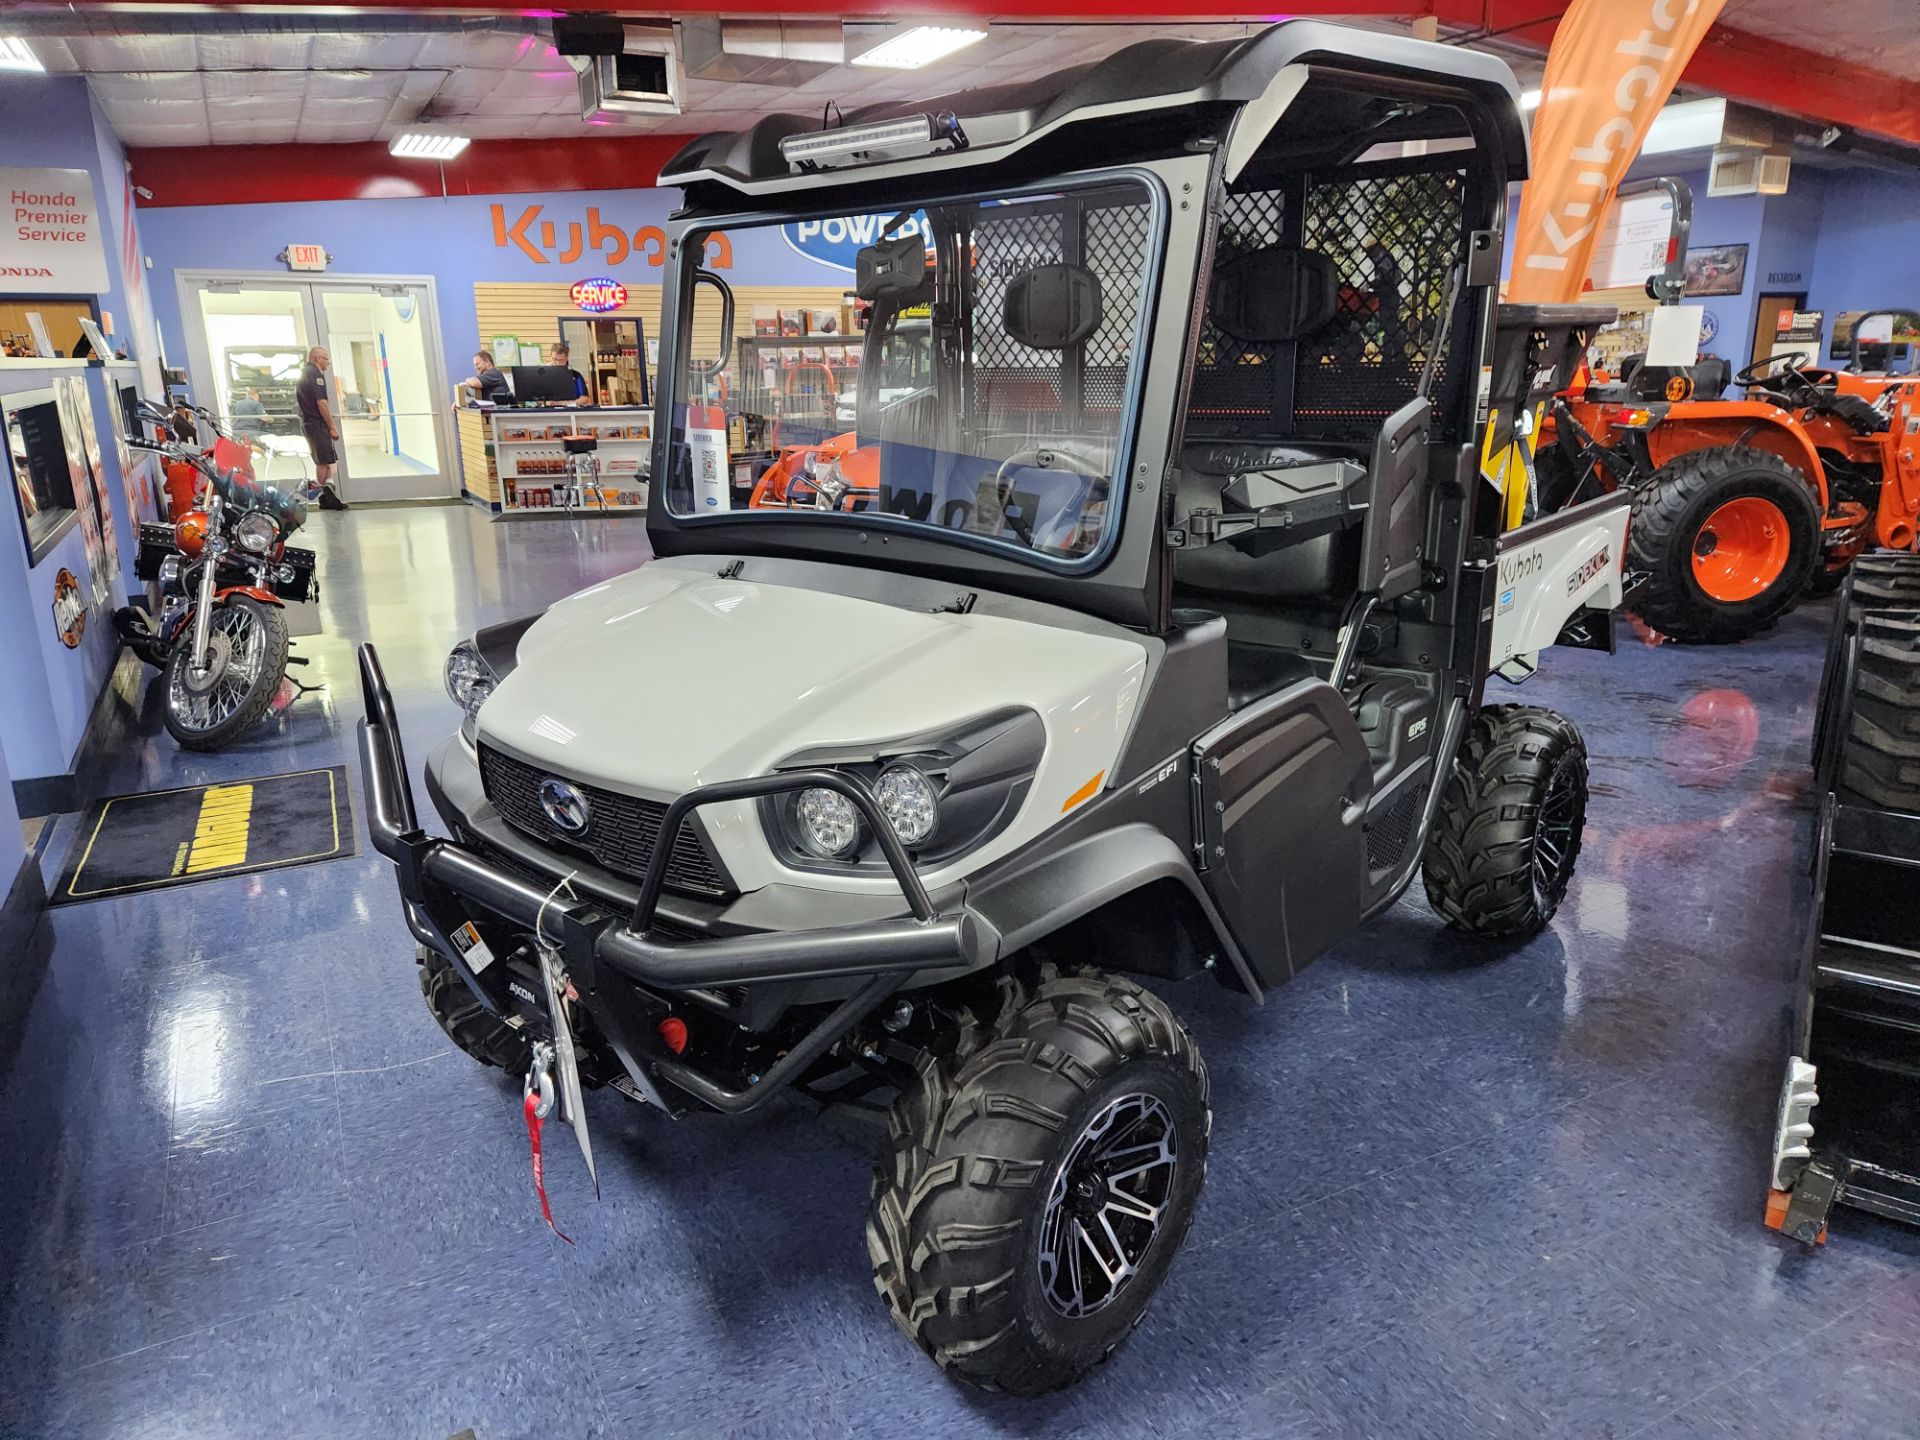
670,678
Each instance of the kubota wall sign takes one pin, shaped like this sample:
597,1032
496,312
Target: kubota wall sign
545,241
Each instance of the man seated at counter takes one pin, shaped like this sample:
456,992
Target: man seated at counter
559,354
488,379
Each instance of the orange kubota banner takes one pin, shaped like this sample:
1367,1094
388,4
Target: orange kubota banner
1611,66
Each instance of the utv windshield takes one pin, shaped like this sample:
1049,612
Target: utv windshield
968,367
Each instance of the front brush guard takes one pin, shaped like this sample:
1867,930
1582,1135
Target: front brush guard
594,945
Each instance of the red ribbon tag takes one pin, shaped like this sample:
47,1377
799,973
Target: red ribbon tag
539,1169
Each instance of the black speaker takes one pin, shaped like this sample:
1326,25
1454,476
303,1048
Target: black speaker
588,35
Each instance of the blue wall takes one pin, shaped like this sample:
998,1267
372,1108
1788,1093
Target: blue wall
1868,253
50,690
455,239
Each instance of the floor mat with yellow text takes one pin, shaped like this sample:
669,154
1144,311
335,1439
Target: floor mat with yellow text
200,832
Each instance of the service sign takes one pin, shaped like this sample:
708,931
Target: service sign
598,295
837,241
52,243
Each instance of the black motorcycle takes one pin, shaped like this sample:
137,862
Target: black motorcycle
225,573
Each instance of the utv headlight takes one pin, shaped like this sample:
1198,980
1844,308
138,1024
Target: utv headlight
256,532
470,680
943,793
829,823
464,669
908,800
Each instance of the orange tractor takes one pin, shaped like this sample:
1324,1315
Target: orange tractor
1741,505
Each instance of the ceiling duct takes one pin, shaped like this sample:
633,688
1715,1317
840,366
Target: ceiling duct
762,51
643,78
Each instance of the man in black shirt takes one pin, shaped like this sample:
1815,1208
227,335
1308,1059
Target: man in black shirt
559,354
316,423
487,378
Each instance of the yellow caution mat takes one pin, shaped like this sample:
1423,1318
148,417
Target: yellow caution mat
201,832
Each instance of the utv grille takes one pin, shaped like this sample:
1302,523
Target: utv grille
1387,837
621,832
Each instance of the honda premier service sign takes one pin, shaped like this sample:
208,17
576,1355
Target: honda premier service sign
52,242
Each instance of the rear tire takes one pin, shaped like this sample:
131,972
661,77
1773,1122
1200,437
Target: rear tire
1508,831
1671,542
997,1161
1880,752
468,1023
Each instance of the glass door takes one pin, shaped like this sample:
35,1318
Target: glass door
390,440
251,344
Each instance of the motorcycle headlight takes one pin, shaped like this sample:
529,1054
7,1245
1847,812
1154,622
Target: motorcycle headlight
829,823
256,532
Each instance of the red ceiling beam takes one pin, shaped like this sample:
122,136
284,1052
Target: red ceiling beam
252,174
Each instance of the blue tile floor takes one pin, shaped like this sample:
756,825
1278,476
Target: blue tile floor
251,1191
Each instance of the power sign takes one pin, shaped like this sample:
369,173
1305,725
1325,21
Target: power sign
837,240
598,295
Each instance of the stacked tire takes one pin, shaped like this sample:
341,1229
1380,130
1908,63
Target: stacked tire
1867,733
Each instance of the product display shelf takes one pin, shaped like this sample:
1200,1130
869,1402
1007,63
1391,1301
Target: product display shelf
528,458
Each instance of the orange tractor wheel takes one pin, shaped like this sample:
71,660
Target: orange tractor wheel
1726,539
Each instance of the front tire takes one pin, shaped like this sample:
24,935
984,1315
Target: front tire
1038,1192
1727,539
1880,750
207,715
468,1023
1508,831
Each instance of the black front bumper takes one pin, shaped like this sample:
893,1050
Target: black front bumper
605,953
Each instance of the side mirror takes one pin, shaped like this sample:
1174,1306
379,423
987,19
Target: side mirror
891,269
1052,306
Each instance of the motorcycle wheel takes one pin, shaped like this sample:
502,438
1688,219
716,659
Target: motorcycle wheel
249,661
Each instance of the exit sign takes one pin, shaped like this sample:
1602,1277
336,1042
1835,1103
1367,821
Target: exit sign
306,257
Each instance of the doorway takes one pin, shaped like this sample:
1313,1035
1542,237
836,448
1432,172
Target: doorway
247,342
1766,322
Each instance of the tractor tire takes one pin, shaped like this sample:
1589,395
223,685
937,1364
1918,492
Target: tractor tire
468,1023
1880,751
1727,539
1004,1166
1508,830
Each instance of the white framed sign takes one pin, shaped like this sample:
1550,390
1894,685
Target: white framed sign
53,240
1633,242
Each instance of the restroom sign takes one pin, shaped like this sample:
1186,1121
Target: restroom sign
305,257
51,243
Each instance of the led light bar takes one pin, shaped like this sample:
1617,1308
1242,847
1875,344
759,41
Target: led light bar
919,45
14,55
821,146
427,145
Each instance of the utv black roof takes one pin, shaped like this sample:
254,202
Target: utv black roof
1156,81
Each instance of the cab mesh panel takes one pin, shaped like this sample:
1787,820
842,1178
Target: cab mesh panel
1393,240
1023,390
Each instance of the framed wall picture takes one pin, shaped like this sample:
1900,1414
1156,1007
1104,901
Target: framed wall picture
1717,270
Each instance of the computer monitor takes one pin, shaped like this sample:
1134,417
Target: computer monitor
542,382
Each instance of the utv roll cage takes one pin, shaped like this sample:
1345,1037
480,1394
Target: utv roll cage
1359,183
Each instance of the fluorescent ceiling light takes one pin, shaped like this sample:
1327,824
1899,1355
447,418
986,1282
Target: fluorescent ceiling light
14,55
1530,100
919,45
427,145
1690,125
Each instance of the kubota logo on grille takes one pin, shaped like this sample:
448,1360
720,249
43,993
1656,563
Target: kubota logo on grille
565,806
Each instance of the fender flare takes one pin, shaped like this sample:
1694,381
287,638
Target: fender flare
1031,902
252,592
1757,423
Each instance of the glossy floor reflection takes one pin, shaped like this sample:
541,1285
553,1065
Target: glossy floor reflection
250,1191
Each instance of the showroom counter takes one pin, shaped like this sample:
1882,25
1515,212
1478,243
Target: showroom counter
513,458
